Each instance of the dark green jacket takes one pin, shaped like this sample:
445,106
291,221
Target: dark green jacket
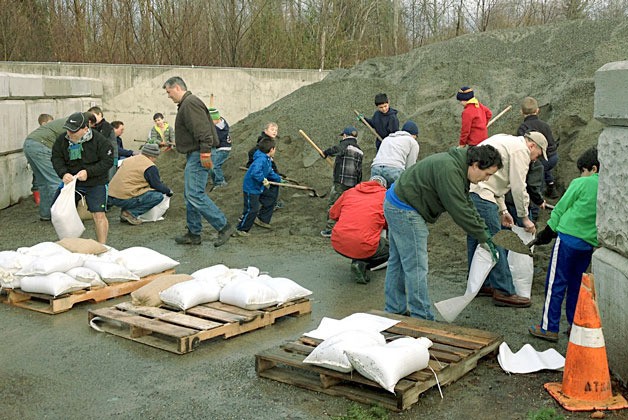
195,129
439,184
47,134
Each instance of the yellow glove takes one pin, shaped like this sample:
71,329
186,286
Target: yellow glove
266,183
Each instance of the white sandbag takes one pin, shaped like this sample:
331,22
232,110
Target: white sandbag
43,249
86,275
144,261
522,265
248,294
219,272
286,289
64,216
54,284
112,255
111,272
157,212
8,279
387,364
331,352
190,293
52,264
12,261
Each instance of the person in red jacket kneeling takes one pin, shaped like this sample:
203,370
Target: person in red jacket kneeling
359,213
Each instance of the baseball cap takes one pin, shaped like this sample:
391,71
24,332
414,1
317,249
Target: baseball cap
350,131
75,122
539,139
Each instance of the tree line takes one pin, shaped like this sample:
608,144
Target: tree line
322,34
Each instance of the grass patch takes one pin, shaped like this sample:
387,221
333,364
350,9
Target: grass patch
545,414
358,412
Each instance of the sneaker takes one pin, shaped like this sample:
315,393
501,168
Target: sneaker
279,205
220,184
188,239
539,332
223,235
326,233
241,233
44,219
264,225
551,191
358,269
129,218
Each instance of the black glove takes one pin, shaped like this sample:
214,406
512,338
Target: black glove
545,236
169,194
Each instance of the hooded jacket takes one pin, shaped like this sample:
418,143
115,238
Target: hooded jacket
475,116
348,162
399,150
439,184
360,215
260,168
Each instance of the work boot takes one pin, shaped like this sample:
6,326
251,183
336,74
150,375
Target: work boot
358,268
126,216
326,233
264,225
223,235
513,301
188,239
551,191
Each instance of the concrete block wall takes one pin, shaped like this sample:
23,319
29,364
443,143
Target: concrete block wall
610,262
23,98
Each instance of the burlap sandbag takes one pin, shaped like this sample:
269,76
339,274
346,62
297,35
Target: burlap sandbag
83,246
148,295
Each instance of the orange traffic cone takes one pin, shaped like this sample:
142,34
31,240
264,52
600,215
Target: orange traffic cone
586,380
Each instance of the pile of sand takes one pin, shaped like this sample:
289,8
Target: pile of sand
554,63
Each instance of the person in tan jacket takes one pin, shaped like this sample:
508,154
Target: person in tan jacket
136,187
489,199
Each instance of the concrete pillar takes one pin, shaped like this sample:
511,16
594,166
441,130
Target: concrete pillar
610,262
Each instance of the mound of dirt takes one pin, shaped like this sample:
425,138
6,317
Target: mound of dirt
554,63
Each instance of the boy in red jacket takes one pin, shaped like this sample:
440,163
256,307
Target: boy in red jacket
475,116
359,213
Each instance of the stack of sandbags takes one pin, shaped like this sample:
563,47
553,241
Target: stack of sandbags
76,263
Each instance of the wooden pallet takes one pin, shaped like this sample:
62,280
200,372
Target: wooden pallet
53,305
182,332
456,351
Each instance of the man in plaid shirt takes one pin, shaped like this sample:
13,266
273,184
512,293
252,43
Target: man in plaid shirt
347,169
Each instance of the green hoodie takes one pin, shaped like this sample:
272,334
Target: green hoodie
575,213
439,184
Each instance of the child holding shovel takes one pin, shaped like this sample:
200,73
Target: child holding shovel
259,200
573,224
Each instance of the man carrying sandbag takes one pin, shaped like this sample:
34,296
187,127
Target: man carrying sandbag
136,187
87,155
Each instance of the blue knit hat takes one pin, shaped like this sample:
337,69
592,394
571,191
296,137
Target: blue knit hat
350,131
465,93
411,127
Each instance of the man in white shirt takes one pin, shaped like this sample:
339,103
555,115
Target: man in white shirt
397,153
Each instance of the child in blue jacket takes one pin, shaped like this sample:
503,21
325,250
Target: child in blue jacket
258,202
573,224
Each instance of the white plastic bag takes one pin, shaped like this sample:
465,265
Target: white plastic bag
54,284
387,364
521,265
330,353
51,264
144,261
157,212
86,275
111,272
248,294
190,293
65,217
219,273
286,289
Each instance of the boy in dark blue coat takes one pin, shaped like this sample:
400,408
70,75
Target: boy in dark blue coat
259,203
384,120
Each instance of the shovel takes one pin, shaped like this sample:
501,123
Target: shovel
511,241
311,191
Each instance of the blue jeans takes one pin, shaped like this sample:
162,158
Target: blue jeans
197,203
548,165
140,204
218,158
500,277
389,173
46,179
406,275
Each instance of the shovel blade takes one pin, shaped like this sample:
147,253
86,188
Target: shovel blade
511,241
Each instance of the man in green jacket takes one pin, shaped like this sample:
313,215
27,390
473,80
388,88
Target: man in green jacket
437,184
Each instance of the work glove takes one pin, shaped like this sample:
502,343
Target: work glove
545,236
170,193
490,247
360,117
206,160
266,183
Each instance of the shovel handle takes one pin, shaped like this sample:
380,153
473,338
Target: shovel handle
318,149
508,108
367,125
